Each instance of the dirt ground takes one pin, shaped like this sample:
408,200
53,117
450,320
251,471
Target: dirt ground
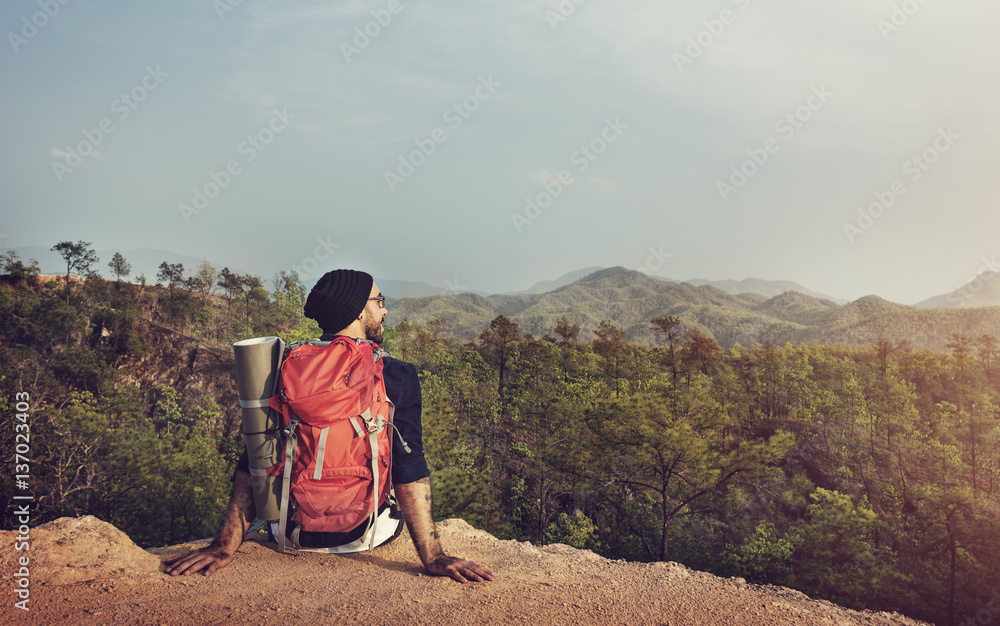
552,585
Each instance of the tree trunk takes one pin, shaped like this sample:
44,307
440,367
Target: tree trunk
541,506
952,549
666,527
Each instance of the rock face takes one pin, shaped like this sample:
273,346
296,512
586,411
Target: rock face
192,367
71,550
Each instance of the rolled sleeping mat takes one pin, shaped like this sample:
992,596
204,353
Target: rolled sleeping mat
257,364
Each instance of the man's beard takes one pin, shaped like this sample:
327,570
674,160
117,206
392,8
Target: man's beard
373,328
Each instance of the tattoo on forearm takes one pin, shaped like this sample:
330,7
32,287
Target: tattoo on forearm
426,481
415,499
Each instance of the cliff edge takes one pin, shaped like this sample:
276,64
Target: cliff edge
85,571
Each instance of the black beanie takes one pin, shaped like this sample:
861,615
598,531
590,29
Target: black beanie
338,298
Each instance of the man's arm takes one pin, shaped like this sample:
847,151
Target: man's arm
415,501
239,515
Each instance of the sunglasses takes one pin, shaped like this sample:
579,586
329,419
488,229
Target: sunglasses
380,300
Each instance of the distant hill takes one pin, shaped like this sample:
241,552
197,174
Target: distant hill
546,286
795,307
405,289
984,290
768,288
631,299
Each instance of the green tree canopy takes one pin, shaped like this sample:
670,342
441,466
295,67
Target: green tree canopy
79,258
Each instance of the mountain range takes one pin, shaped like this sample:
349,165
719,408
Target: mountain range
769,288
630,299
982,291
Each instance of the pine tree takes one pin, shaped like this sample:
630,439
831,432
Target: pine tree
119,267
78,256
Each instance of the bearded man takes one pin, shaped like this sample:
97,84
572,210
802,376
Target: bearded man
347,303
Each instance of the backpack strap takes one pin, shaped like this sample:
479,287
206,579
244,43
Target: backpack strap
357,426
373,441
286,484
375,424
321,453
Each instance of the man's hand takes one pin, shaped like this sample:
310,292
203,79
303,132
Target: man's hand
235,524
415,503
208,559
459,569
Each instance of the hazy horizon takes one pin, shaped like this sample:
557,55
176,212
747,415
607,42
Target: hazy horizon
54,265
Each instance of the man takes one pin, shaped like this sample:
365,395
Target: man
351,298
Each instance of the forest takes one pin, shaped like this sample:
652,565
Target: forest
867,474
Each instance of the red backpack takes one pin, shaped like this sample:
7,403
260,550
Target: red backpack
338,444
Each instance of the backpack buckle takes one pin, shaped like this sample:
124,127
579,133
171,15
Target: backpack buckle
374,424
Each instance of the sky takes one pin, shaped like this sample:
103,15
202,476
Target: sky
849,146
